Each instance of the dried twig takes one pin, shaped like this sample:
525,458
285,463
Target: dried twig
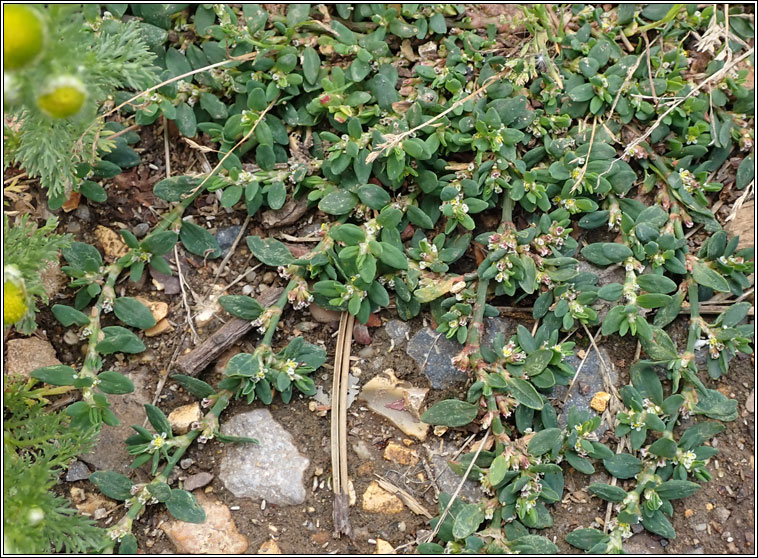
340,481
187,309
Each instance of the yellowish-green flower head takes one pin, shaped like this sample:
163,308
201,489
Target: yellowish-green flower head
62,97
23,35
14,296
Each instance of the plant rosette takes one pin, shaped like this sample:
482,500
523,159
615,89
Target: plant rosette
23,36
62,97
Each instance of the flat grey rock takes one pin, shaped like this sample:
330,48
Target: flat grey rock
226,237
271,470
198,480
433,352
77,471
110,452
397,331
587,384
447,480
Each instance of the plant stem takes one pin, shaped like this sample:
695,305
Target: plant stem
277,309
694,333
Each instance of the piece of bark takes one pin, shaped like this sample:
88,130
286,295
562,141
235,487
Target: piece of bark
222,339
289,214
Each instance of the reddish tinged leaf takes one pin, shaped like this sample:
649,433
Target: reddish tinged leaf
360,334
374,321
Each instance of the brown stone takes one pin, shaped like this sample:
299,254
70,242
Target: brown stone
163,326
269,547
321,537
158,308
182,417
384,547
217,535
400,454
378,500
600,401
743,225
365,469
25,355
113,246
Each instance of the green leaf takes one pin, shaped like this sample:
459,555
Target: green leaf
663,447
173,189
536,362
196,387
498,470
157,419
243,307
586,538
544,440
114,383
607,492
582,93
128,545
659,524
393,257
58,375
653,300
745,172
93,191
68,316
133,313
418,217
119,340
533,544
159,243
197,240
623,465
112,484
451,412
213,106
311,64
675,489
185,120
338,202
656,283
160,490
183,506
467,521
243,364
270,251
525,393
83,256
708,277
373,196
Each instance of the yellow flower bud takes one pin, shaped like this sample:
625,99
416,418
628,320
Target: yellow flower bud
14,296
62,97
23,35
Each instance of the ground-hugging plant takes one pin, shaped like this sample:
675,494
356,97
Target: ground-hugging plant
412,130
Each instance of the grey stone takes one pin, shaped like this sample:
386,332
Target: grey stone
270,470
750,402
197,481
170,282
642,544
140,229
110,452
447,480
83,213
698,550
588,382
722,514
701,527
433,352
186,463
226,238
637,528
77,471
73,227
397,330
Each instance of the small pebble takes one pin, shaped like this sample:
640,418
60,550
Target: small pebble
700,527
251,275
83,213
248,290
73,227
77,471
186,463
140,229
269,277
197,481
70,338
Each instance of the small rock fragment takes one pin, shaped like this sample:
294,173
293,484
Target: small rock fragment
217,535
361,334
384,547
199,480
182,417
113,246
77,471
269,547
378,500
25,355
157,308
140,229
750,402
163,326
400,454
323,315
722,514
600,401
382,394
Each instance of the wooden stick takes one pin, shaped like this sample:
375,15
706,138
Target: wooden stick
341,505
227,335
